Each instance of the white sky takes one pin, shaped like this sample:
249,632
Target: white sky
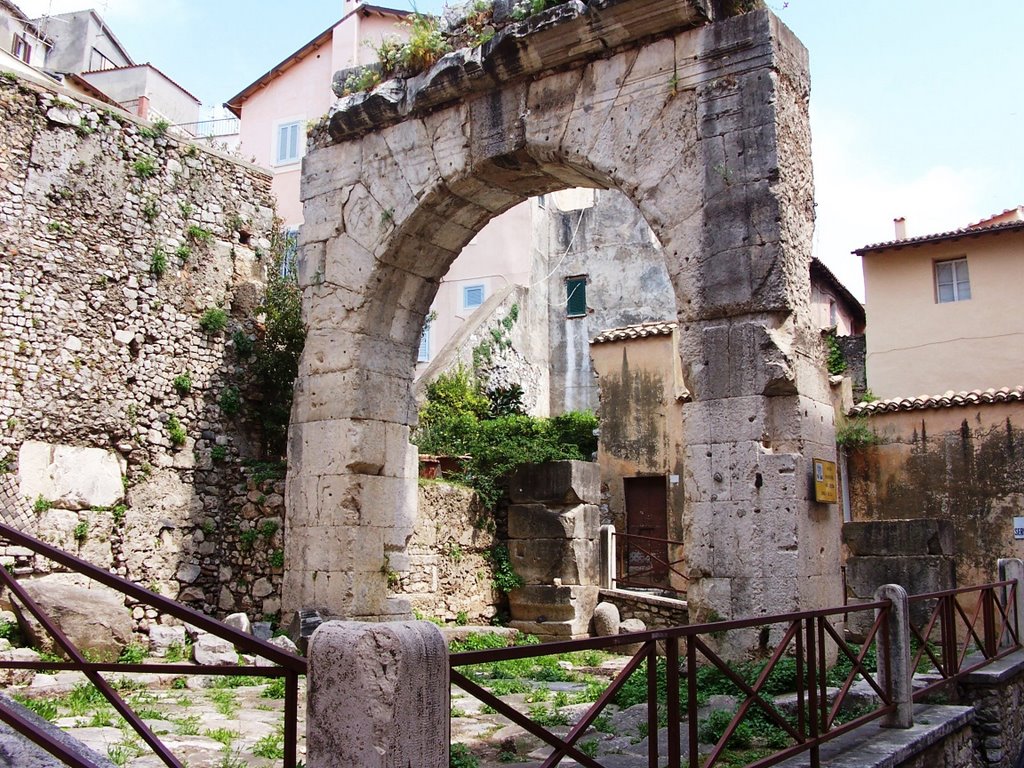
914,106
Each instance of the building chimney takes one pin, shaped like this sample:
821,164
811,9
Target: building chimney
901,228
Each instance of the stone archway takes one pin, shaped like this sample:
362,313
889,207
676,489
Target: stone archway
704,127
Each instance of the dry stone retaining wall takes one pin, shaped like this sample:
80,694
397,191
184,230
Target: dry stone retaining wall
115,240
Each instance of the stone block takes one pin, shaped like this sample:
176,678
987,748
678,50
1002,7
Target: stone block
918,575
606,619
391,680
211,651
543,604
542,561
71,476
900,538
535,521
560,482
93,618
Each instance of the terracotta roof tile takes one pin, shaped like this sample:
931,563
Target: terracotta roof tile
948,400
955,234
641,331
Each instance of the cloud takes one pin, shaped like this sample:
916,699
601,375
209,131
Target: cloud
857,199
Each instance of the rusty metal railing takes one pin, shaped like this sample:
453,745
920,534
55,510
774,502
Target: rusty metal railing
965,629
288,665
809,638
658,569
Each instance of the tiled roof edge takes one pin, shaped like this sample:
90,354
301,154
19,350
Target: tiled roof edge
948,400
640,331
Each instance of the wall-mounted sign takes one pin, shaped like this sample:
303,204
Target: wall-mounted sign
826,485
1018,527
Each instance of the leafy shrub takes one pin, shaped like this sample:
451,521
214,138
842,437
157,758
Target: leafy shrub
218,453
145,167
455,422
243,344
183,383
505,577
856,433
198,235
176,432
709,731
132,654
214,320
459,756
230,401
276,357
158,263
836,359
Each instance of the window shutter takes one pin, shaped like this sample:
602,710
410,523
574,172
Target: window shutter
576,297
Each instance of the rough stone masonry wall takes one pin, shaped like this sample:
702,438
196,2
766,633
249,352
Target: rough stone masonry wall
92,340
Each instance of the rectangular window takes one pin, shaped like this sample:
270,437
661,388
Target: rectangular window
576,297
424,353
21,49
288,143
472,296
952,282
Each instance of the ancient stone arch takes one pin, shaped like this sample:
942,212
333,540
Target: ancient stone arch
704,126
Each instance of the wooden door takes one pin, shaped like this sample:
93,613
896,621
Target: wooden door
646,556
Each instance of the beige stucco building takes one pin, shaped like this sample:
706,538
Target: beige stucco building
942,309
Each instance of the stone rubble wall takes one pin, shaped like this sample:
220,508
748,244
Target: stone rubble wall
447,572
92,340
652,611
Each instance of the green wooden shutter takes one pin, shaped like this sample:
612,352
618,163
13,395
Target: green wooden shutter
576,297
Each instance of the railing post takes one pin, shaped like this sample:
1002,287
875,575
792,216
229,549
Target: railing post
608,554
894,657
1012,569
378,696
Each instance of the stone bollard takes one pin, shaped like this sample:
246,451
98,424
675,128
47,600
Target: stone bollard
378,696
1012,569
896,657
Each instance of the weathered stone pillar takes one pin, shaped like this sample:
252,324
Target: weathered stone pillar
553,545
894,658
378,696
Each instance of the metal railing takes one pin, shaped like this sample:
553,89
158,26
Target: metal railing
643,563
288,666
206,129
809,638
965,629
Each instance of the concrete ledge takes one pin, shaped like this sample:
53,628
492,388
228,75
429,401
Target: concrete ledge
872,746
995,672
640,597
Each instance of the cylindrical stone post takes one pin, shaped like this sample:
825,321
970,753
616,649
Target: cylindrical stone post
1012,569
894,658
608,563
378,696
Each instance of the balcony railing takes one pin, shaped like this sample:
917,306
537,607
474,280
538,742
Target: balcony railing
209,129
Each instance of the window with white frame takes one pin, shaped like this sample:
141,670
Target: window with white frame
424,354
473,296
952,282
289,143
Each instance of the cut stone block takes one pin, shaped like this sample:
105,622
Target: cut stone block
900,538
72,477
561,482
542,561
535,521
